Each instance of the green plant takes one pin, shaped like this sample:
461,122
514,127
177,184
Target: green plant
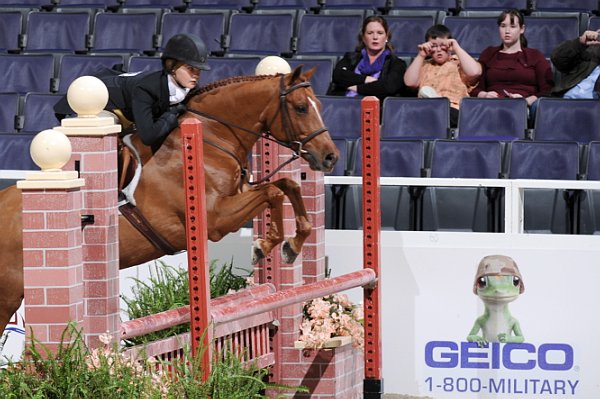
167,287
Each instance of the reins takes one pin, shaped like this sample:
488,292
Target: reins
293,143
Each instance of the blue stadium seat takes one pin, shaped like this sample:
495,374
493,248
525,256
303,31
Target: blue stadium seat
415,118
372,5
493,5
546,210
14,152
261,33
209,25
474,33
322,76
586,6
567,120
226,67
407,32
143,63
88,4
45,4
546,33
332,34
341,116
38,112
286,4
9,107
223,4
444,5
594,23
404,158
72,66
124,32
11,26
492,119
589,220
162,4
69,31
464,208
26,72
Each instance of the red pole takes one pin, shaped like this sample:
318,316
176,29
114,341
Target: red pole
197,240
373,384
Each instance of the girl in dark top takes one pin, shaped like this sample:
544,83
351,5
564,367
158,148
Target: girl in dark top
373,69
513,70
151,100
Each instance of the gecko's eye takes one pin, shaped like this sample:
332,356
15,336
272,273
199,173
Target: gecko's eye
516,281
482,282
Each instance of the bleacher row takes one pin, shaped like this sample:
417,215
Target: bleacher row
46,44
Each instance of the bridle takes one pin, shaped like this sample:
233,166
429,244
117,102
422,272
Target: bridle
293,141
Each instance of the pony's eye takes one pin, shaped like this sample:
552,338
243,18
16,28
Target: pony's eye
301,109
516,281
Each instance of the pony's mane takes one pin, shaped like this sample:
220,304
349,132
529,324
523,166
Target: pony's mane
225,82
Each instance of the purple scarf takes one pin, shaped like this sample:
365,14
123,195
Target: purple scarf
365,68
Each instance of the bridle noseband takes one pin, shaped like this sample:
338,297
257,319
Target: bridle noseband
293,142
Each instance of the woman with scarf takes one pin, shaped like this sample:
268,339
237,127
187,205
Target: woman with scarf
373,69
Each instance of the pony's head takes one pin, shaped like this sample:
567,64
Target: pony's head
295,121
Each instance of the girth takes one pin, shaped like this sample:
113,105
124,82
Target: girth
137,220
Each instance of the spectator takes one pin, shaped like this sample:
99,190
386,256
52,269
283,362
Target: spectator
373,69
578,61
151,100
512,70
443,68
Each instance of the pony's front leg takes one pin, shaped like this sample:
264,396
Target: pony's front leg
231,213
292,247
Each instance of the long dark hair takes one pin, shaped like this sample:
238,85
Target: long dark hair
383,22
514,14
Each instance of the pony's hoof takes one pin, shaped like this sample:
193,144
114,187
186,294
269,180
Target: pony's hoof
256,253
287,253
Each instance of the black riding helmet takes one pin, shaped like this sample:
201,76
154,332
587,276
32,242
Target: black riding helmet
188,49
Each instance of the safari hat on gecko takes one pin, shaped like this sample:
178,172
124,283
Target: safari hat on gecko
498,265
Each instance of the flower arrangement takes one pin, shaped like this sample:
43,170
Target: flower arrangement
331,316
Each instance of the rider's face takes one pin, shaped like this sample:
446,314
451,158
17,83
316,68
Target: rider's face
187,76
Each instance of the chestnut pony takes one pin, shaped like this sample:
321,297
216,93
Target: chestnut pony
234,113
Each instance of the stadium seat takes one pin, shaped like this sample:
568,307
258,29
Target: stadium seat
322,76
40,4
371,5
129,32
474,33
415,118
407,32
143,63
492,5
546,210
38,112
562,119
594,23
341,116
162,4
14,152
464,208
305,5
585,6
226,67
589,217
112,5
492,118
9,107
332,34
335,193
209,25
546,33
72,66
69,31
11,25
444,5
261,33
400,158
22,73
223,4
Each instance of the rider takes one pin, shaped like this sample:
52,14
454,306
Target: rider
152,100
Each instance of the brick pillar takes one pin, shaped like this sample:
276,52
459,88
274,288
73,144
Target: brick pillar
52,255
268,156
94,142
313,252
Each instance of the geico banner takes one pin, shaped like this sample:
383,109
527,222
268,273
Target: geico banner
477,315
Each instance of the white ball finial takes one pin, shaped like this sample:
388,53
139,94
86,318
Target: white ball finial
87,96
272,65
50,150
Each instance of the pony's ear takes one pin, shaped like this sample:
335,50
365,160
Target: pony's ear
295,74
310,72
